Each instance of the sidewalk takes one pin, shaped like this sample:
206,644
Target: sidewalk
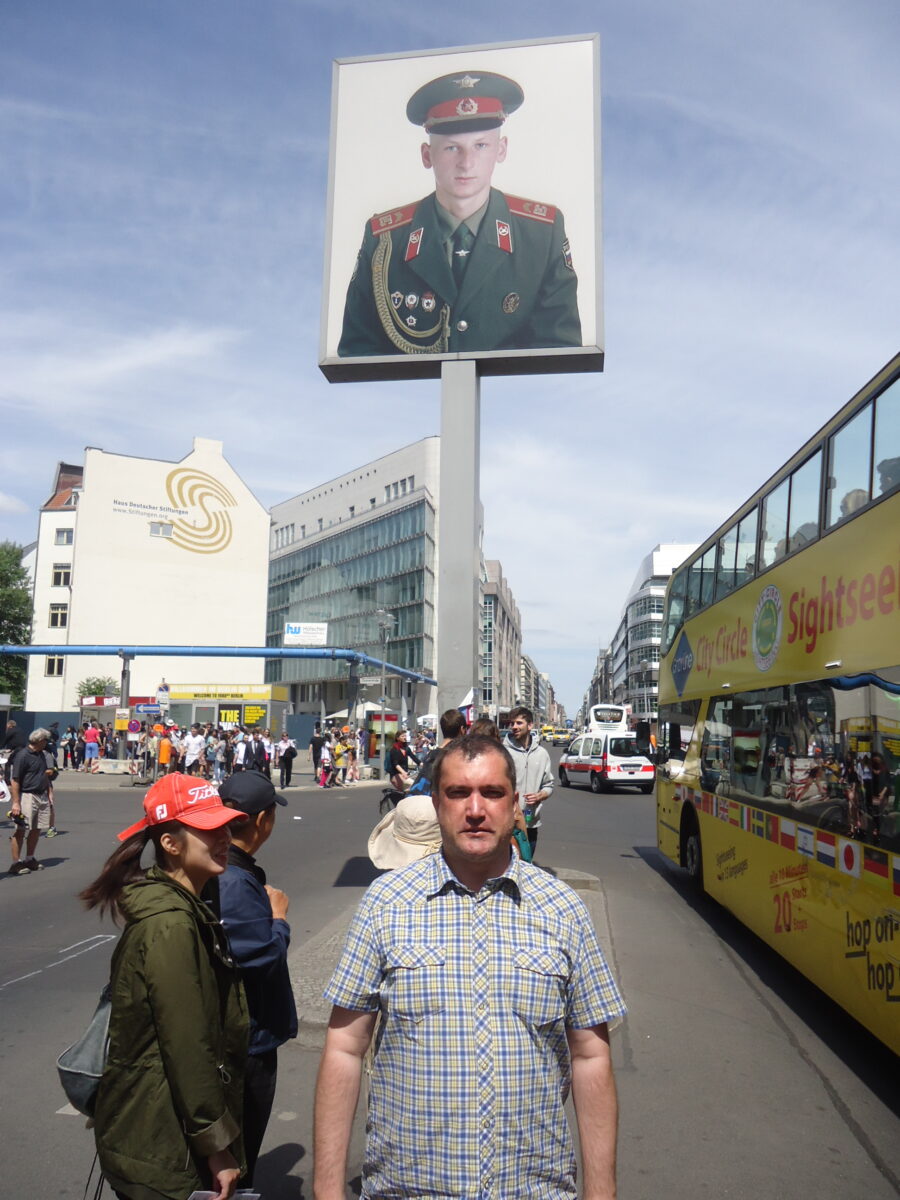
111,775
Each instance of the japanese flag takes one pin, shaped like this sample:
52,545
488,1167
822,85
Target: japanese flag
849,857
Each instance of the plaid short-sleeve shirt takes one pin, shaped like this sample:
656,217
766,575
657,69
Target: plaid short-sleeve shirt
476,992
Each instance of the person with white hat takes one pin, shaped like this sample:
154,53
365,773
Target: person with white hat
408,832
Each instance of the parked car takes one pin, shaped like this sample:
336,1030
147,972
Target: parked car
607,760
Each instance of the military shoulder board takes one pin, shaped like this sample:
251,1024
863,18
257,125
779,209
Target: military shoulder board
392,219
533,209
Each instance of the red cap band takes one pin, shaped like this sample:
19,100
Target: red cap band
466,108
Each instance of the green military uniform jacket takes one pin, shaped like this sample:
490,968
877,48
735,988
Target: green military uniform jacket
518,291
171,1093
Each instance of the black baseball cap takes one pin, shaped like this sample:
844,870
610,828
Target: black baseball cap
249,792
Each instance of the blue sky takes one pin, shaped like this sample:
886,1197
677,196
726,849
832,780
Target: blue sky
161,239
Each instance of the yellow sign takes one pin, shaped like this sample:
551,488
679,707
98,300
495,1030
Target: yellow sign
832,609
228,691
255,714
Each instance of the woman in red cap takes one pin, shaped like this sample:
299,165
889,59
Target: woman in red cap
168,1114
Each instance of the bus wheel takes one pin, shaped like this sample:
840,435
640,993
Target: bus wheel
691,850
596,782
563,777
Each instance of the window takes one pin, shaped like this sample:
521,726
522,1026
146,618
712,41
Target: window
725,572
412,483
64,537
352,510
849,468
745,564
773,535
53,665
887,439
804,518
62,574
59,616
161,529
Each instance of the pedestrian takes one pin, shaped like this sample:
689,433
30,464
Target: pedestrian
326,766
314,751
269,747
254,915
53,744
399,759
67,744
256,759
168,1116
362,745
240,757
31,788
91,739
285,753
340,760
493,1000
410,831
192,750
534,773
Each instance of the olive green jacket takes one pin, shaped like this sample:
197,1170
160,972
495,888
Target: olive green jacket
171,1092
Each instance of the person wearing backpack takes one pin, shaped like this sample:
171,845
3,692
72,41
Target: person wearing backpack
168,1113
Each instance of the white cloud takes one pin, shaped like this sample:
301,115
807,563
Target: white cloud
12,504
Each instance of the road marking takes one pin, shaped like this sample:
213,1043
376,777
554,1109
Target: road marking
88,944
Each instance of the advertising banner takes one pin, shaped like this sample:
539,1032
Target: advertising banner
464,212
306,633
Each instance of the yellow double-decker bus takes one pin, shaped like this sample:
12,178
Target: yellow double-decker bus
779,710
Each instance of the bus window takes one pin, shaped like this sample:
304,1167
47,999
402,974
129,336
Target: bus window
773,534
676,726
692,596
675,609
806,483
746,548
849,468
887,439
707,576
725,568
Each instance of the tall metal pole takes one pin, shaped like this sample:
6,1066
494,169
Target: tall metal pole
459,529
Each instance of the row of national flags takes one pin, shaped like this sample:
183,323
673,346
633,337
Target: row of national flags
853,858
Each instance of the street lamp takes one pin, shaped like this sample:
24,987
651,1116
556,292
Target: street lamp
385,625
645,667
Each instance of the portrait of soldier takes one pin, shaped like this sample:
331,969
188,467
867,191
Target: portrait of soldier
469,267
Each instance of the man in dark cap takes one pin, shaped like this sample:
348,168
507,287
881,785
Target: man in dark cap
255,918
468,268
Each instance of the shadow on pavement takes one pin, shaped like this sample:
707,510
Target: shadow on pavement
272,1177
860,1051
357,872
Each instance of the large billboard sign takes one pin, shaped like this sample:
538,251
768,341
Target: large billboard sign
464,212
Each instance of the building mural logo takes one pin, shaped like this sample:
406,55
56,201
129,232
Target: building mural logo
188,488
767,625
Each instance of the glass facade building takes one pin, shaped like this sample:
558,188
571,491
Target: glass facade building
382,559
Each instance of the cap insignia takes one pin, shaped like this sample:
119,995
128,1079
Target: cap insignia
467,81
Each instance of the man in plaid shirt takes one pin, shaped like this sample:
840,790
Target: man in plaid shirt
494,1000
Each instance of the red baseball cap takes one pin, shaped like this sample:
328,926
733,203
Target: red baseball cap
186,799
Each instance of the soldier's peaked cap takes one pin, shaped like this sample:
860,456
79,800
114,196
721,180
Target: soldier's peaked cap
464,102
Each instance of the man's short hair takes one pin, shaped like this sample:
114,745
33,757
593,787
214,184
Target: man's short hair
38,735
472,747
521,711
453,723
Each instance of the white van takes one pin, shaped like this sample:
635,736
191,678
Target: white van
604,761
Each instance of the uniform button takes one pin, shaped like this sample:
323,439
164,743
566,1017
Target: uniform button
462,326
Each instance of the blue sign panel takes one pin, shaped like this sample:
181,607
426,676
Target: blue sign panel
683,663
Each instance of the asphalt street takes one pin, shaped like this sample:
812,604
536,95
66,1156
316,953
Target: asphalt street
736,1078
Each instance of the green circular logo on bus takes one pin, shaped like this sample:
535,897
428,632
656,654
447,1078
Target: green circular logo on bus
767,623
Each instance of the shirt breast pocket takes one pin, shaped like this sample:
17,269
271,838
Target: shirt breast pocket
414,985
540,978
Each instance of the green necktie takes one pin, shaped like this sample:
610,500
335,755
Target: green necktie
462,241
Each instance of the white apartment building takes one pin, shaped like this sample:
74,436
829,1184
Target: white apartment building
139,551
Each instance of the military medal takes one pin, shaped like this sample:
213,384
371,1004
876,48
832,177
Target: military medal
504,236
414,245
567,255
411,321
510,302
412,300
428,301
396,299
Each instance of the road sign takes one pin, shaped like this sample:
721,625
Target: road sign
134,726
149,710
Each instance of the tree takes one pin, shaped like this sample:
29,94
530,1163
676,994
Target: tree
98,685
15,618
